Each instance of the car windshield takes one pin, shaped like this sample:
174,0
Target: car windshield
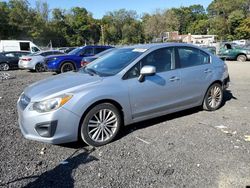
113,62
35,54
75,51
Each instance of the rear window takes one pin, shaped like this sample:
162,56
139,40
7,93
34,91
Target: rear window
191,57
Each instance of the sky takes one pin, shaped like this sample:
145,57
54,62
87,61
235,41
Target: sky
100,7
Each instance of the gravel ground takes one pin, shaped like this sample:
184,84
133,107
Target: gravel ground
192,148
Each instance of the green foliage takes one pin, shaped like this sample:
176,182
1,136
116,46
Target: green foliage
243,31
229,19
226,16
122,27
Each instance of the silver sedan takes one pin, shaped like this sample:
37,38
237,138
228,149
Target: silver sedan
125,86
35,61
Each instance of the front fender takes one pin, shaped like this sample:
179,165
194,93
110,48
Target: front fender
84,99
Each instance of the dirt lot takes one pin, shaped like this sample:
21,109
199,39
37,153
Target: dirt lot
188,149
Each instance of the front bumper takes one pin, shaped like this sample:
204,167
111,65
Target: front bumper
51,66
56,127
226,83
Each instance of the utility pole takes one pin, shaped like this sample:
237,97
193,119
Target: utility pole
102,37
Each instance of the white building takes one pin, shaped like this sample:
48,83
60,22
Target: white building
199,39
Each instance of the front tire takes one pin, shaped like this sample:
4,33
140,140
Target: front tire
213,98
67,66
4,67
101,125
241,58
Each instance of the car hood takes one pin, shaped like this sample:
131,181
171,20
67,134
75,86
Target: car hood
60,84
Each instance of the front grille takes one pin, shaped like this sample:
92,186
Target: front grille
24,101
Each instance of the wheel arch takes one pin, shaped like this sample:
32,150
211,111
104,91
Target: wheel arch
241,54
214,82
111,101
7,62
67,61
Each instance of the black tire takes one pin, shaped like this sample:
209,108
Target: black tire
4,67
67,66
208,104
39,67
242,58
85,130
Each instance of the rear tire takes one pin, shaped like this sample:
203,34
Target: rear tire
39,67
100,125
67,66
241,58
4,67
213,98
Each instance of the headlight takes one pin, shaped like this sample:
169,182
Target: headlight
50,104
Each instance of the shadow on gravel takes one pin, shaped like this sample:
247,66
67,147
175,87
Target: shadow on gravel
61,175
74,145
141,125
227,97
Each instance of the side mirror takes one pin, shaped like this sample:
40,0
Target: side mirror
146,71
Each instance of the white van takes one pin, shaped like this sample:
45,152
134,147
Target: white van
18,45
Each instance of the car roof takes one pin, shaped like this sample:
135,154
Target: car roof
96,46
159,45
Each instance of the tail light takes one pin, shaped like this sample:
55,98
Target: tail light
26,59
84,63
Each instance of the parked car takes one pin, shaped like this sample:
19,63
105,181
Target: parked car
72,61
89,59
34,62
9,60
211,49
234,52
15,53
127,85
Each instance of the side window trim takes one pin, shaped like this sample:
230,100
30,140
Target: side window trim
173,63
179,61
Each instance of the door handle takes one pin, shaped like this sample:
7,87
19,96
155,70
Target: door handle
174,78
208,71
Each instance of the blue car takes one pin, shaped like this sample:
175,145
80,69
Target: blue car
72,61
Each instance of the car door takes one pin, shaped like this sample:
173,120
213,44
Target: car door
159,92
196,74
86,52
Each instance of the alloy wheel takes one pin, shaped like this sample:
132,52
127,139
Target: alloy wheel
4,67
103,125
67,67
214,97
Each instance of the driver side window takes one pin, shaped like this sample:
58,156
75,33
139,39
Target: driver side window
87,52
161,59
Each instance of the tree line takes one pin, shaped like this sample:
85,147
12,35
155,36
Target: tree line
228,19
